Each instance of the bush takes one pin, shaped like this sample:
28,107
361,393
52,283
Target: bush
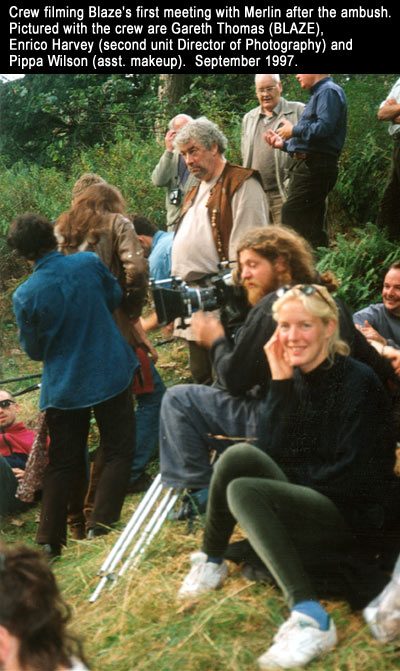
359,260
26,188
128,163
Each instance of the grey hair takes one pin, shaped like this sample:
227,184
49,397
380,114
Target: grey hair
178,116
204,131
276,78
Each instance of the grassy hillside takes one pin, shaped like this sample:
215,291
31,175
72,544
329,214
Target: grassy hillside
139,625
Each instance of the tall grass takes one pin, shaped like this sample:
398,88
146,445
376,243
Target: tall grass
138,625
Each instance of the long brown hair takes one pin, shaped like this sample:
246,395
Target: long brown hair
272,242
32,610
89,214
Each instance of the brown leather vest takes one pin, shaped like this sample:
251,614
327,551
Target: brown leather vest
219,204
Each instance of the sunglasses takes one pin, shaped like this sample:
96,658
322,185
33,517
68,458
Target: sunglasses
6,403
306,289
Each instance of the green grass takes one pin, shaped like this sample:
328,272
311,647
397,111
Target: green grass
139,625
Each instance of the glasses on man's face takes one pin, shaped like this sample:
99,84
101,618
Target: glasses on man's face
306,289
267,89
6,403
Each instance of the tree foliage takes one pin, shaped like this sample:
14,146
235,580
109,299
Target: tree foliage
47,119
106,123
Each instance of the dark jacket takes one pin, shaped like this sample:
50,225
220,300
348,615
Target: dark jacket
241,367
331,430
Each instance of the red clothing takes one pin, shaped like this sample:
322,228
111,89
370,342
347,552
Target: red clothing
16,439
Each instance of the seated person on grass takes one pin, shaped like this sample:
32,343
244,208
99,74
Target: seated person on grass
318,500
194,417
380,322
34,619
15,445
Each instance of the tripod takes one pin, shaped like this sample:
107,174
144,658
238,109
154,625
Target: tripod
144,524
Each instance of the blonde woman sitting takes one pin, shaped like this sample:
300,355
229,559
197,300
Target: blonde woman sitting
318,494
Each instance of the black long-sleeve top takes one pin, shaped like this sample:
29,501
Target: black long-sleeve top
331,430
241,366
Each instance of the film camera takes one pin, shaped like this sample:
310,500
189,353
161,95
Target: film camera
174,298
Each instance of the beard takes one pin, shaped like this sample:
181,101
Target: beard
254,293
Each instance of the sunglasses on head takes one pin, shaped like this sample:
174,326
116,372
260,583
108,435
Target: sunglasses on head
306,289
6,403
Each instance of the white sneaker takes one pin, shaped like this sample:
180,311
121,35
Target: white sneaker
297,642
383,613
203,576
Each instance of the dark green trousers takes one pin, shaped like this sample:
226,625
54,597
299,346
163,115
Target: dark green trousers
287,525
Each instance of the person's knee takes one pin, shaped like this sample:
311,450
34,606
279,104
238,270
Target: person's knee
232,458
173,399
240,494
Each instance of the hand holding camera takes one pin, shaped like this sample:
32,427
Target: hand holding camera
206,328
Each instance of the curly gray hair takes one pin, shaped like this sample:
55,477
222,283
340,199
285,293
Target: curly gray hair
204,131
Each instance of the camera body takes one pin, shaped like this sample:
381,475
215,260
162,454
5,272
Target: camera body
175,196
174,298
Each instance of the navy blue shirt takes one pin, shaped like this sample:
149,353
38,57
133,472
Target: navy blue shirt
64,315
322,126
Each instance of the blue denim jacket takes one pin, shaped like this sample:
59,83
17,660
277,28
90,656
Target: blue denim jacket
64,315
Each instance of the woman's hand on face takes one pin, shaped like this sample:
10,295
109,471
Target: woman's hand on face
277,358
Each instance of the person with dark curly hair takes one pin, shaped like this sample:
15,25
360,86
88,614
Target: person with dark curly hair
33,616
64,313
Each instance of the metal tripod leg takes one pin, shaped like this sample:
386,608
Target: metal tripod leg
151,529
139,517
133,525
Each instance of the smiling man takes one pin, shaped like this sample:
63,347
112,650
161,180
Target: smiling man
228,201
15,445
380,322
272,165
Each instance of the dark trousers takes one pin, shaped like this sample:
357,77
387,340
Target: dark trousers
287,525
389,215
8,487
304,210
200,363
66,471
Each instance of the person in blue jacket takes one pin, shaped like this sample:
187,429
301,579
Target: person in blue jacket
64,315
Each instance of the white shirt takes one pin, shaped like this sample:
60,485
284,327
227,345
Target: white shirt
394,128
193,249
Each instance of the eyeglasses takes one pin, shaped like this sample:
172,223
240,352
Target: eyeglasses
267,89
6,403
306,289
